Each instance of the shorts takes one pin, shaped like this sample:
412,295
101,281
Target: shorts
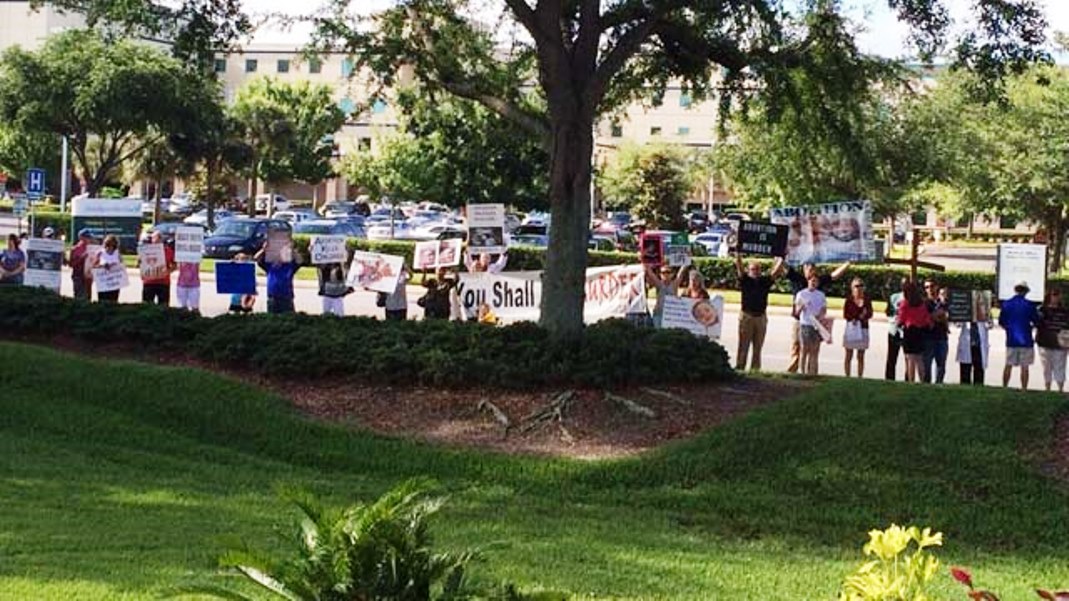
188,297
1020,356
809,335
913,340
334,306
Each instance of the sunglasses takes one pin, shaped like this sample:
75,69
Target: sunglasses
859,285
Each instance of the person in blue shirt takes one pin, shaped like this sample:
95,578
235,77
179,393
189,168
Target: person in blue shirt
280,278
1019,317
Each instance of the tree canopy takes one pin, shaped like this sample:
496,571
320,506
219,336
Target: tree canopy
650,181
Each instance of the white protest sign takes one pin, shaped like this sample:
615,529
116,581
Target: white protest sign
827,233
188,244
44,260
153,261
109,280
375,271
449,252
678,255
91,252
1018,263
614,292
486,228
425,255
328,249
698,316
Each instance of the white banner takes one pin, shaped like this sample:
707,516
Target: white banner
486,228
153,261
697,316
108,280
375,271
328,249
188,244
517,295
840,231
44,262
1018,263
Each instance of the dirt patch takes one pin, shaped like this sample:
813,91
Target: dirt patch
1059,461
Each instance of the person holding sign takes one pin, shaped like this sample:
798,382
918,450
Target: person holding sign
857,311
753,320
937,347
333,288
811,306
1053,320
156,261
1018,317
12,262
973,342
108,261
279,277
799,281
913,317
81,277
483,264
665,284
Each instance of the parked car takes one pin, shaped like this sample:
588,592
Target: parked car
263,200
619,220
241,235
382,230
434,231
201,217
538,240
383,214
167,229
698,221
329,227
342,208
296,215
601,243
512,221
714,243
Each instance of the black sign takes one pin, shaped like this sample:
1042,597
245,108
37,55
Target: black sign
761,238
959,306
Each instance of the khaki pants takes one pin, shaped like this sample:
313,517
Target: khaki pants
796,349
751,331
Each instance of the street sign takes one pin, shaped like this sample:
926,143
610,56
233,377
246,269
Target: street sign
35,183
20,206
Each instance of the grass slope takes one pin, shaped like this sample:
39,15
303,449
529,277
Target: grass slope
118,480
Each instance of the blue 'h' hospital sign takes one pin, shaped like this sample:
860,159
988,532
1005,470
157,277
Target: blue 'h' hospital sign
35,182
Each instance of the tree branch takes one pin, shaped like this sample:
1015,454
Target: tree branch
626,47
506,109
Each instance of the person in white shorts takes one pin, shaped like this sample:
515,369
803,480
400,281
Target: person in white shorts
1018,317
1053,320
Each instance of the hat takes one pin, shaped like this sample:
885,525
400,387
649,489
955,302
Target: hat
48,232
85,233
1021,287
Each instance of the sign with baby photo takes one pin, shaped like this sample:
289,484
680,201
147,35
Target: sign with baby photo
375,271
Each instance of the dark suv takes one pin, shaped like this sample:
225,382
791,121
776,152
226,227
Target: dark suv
241,235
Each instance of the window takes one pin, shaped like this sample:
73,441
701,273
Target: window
347,67
315,65
347,106
363,144
684,100
617,131
655,131
379,107
683,131
283,66
251,65
220,65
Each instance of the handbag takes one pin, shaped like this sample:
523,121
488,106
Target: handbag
1063,339
854,333
380,300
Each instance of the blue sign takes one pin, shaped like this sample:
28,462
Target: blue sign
235,277
35,183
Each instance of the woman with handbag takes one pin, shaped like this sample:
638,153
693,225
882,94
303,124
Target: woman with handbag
1053,320
857,311
913,316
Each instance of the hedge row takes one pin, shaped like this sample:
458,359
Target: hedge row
426,353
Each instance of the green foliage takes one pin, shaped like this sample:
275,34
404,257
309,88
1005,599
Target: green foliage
651,181
21,149
902,569
440,353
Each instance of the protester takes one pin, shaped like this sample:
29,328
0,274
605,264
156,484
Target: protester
333,288
973,346
913,317
109,259
811,306
81,278
664,285
937,344
753,319
486,315
48,233
1018,317
447,285
396,302
857,311
695,285
279,279
187,288
12,262
436,301
483,264
242,304
894,332
1053,319
800,281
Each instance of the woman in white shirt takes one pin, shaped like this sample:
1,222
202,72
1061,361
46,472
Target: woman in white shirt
109,259
810,305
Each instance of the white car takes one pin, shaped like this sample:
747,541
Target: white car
381,231
263,202
201,217
296,215
715,243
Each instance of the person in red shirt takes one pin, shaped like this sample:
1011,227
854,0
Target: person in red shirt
157,288
916,321
81,277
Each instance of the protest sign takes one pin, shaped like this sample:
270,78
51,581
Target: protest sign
328,249
188,244
91,252
44,261
651,249
698,316
959,306
449,252
760,238
678,255
375,271
1021,263
981,305
426,255
840,231
486,228
614,292
235,277
110,280
152,260
279,247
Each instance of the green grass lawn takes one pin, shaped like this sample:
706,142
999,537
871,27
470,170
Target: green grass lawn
118,480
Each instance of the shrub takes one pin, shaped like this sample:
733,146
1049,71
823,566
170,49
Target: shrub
902,568
434,353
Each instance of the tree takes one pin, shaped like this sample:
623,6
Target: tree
651,181
112,99
20,150
592,55
157,162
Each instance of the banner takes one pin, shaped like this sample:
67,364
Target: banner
152,260
517,295
328,249
437,253
109,280
1018,263
44,262
760,238
235,277
698,316
188,244
840,231
279,247
486,229
375,271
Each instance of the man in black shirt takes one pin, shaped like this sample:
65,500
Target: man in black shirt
800,281
753,322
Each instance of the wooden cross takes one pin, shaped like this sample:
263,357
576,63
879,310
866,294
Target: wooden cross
913,260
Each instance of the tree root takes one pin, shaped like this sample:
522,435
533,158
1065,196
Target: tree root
666,395
499,416
553,411
632,406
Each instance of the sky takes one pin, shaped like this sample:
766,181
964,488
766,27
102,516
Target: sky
882,35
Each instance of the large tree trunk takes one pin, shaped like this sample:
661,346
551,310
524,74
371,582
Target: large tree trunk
1056,250
569,196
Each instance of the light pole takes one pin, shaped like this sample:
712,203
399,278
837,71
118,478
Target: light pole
63,178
